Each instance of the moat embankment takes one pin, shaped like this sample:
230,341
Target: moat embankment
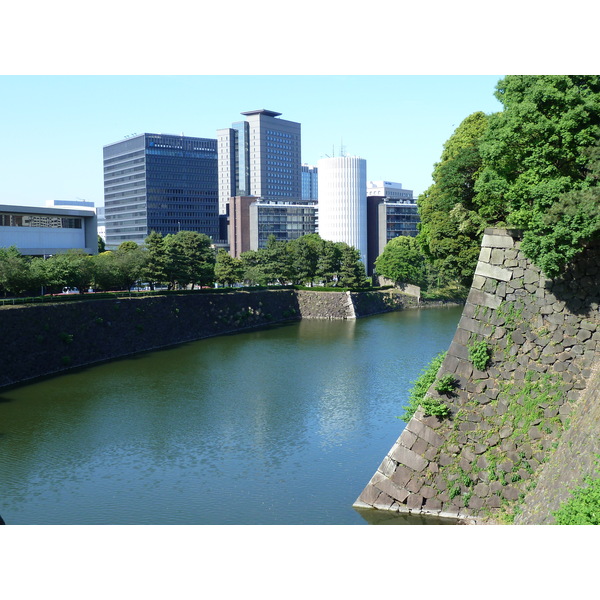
524,428
49,339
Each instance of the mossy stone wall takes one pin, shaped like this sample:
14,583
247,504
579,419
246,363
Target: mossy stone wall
507,416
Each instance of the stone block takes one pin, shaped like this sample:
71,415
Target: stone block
408,458
392,490
487,270
368,496
420,446
428,492
459,351
414,485
423,431
387,466
414,501
407,438
483,298
402,475
478,281
433,504
383,502
510,493
497,241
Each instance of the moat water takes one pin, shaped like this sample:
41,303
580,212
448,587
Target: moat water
284,425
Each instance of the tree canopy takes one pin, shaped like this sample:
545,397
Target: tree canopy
532,165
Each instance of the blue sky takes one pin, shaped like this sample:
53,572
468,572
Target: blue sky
57,125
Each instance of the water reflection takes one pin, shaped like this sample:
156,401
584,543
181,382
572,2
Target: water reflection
283,425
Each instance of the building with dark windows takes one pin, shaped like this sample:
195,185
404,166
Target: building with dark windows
286,221
310,183
259,157
253,220
41,231
387,219
163,183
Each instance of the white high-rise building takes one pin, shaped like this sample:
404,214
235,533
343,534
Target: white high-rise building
343,201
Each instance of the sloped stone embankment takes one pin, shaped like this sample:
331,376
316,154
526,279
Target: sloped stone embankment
508,417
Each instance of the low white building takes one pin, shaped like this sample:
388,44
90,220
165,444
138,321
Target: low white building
39,231
388,189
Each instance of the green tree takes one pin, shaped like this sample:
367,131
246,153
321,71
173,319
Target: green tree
154,271
328,263
101,245
451,224
402,261
305,252
228,269
535,152
352,271
73,268
16,276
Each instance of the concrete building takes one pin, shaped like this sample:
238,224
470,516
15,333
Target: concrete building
343,201
252,220
259,157
39,231
310,183
386,220
388,189
159,182
286,221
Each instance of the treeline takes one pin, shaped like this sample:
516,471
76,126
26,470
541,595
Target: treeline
534,166
183,261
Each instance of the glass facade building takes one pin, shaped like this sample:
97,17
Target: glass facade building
285,221
163,183
310,183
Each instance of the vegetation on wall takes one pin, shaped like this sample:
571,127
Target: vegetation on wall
420,386
583,507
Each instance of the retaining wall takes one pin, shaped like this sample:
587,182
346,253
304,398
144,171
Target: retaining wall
46,339
507,420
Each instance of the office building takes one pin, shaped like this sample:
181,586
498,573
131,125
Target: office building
159,182
386,220
253,220
388,189
259,157
310,183
42,231
343,201
286,221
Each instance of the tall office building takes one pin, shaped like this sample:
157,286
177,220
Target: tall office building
163,183
343,201
259,157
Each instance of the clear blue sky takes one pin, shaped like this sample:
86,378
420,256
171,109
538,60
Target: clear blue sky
56,126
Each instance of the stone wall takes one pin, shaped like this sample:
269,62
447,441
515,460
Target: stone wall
507,417
47,339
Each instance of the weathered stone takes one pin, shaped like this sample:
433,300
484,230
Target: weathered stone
387,466
425,432
401,475
482,463
482,490
427,491
408,457
445,460
506,432
414,485
487,270
535,433
407,438
497,241
493,440
510,493
414,501
433,505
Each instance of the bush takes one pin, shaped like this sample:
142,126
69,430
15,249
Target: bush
421,385
479,355
432,407
583,508
445,384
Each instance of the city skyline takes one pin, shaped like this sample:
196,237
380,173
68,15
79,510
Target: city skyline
59,124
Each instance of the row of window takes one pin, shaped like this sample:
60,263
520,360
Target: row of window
16,220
